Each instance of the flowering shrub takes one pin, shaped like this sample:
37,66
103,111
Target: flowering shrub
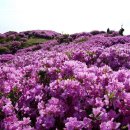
72,86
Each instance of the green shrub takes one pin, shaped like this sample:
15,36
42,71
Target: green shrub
81,40
65,38
2,40
4,50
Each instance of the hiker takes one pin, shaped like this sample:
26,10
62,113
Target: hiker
108,31
121,31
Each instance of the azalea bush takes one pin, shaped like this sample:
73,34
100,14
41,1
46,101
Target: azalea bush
72,86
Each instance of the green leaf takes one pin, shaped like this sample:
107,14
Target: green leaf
14,95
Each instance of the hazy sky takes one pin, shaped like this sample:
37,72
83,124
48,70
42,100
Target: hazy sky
66,16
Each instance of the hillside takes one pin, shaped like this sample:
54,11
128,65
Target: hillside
53,81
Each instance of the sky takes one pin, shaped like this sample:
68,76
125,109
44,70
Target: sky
64,16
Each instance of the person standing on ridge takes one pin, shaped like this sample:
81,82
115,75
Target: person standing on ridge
121,30
108,31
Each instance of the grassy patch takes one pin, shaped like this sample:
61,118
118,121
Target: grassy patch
34,41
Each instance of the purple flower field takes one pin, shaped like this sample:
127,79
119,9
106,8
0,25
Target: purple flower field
53,81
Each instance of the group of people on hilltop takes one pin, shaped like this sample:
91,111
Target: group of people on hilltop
120,31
